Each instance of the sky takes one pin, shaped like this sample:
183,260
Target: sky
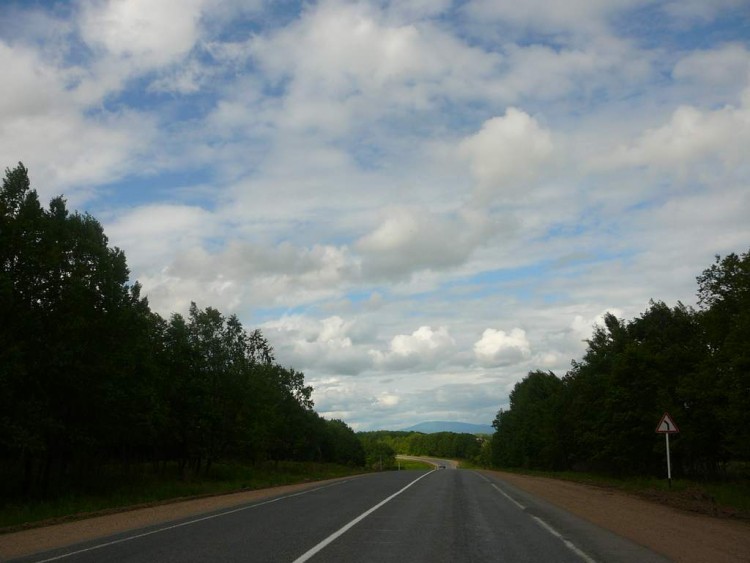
417,201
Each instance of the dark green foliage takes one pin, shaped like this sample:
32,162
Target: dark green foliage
90,376
378,454
724,297
529,434
439,444
342,445
602,414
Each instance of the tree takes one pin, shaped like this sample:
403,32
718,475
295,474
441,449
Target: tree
528,435
724,298
65,302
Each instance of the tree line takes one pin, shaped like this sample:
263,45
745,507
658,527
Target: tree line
602,414
382,445
91,376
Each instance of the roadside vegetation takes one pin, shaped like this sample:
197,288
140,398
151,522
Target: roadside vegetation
597,422
412,464
142,487
602,414
100,395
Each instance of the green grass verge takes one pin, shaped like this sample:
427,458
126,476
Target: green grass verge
114,490
413,464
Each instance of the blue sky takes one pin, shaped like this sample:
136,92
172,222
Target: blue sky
417,201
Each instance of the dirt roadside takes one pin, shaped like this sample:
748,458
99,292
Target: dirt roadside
35,540
679,535
676,534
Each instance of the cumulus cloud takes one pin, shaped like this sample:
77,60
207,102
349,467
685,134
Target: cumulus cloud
43,124
507,153
148,34
498,348
426,346
343,60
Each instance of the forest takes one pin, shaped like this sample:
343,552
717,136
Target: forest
602,414
91,377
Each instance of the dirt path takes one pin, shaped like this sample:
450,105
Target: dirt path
678,535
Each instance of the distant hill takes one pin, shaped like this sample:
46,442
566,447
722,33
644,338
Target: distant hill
457,427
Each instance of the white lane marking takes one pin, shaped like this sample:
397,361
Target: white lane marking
510,498
311,552
570,545
181,524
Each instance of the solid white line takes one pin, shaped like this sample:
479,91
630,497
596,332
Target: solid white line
570,545
510,498
181,524
311,552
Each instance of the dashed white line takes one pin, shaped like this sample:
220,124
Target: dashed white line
510,498
570,545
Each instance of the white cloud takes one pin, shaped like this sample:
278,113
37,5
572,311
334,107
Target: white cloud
691,137
507,153
410,239
149,34
157,232
423,341
346,61
583,329
388,400
68,153
730,63
329,345
31,85
498,348
426,346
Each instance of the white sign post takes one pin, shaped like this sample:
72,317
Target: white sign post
667,426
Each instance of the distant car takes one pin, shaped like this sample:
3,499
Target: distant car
441,466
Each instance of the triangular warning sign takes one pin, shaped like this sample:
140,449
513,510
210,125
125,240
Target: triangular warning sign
667,425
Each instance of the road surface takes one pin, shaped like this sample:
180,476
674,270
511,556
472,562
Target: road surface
437,516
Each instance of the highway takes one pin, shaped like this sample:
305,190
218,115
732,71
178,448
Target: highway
445,515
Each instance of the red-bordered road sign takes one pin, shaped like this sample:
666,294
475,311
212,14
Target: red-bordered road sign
666,425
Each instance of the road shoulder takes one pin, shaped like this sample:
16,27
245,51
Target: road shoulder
678,535
37,540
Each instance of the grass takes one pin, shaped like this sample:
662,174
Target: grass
414,464
114,490
720,498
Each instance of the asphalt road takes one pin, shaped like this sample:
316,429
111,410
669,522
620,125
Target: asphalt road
437,516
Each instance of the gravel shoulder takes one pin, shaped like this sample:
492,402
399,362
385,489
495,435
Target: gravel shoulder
678,535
